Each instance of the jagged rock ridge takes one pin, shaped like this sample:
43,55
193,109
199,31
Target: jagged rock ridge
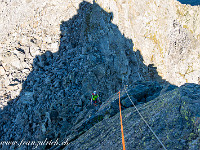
160,30
93,54
174,117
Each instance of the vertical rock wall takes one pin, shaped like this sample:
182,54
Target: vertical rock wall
166,33
28,28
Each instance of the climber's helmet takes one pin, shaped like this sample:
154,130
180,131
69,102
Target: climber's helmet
95,92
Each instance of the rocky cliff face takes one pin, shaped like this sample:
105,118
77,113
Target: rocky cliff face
167,34
92,55
53,55
174,117
161,30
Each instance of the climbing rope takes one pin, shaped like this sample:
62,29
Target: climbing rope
123,142
144,120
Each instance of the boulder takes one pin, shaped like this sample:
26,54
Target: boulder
127,103
54,114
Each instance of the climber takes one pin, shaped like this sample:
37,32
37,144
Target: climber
95,98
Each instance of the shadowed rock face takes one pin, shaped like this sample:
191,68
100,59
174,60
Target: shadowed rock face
93,55
161,30
174,117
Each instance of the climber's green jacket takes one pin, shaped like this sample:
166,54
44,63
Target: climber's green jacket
94,97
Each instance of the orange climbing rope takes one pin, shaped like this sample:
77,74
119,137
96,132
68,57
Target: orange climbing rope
123,142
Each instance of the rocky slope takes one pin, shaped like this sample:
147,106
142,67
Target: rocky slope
93,55
167,34
49,68
174,117
160,30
